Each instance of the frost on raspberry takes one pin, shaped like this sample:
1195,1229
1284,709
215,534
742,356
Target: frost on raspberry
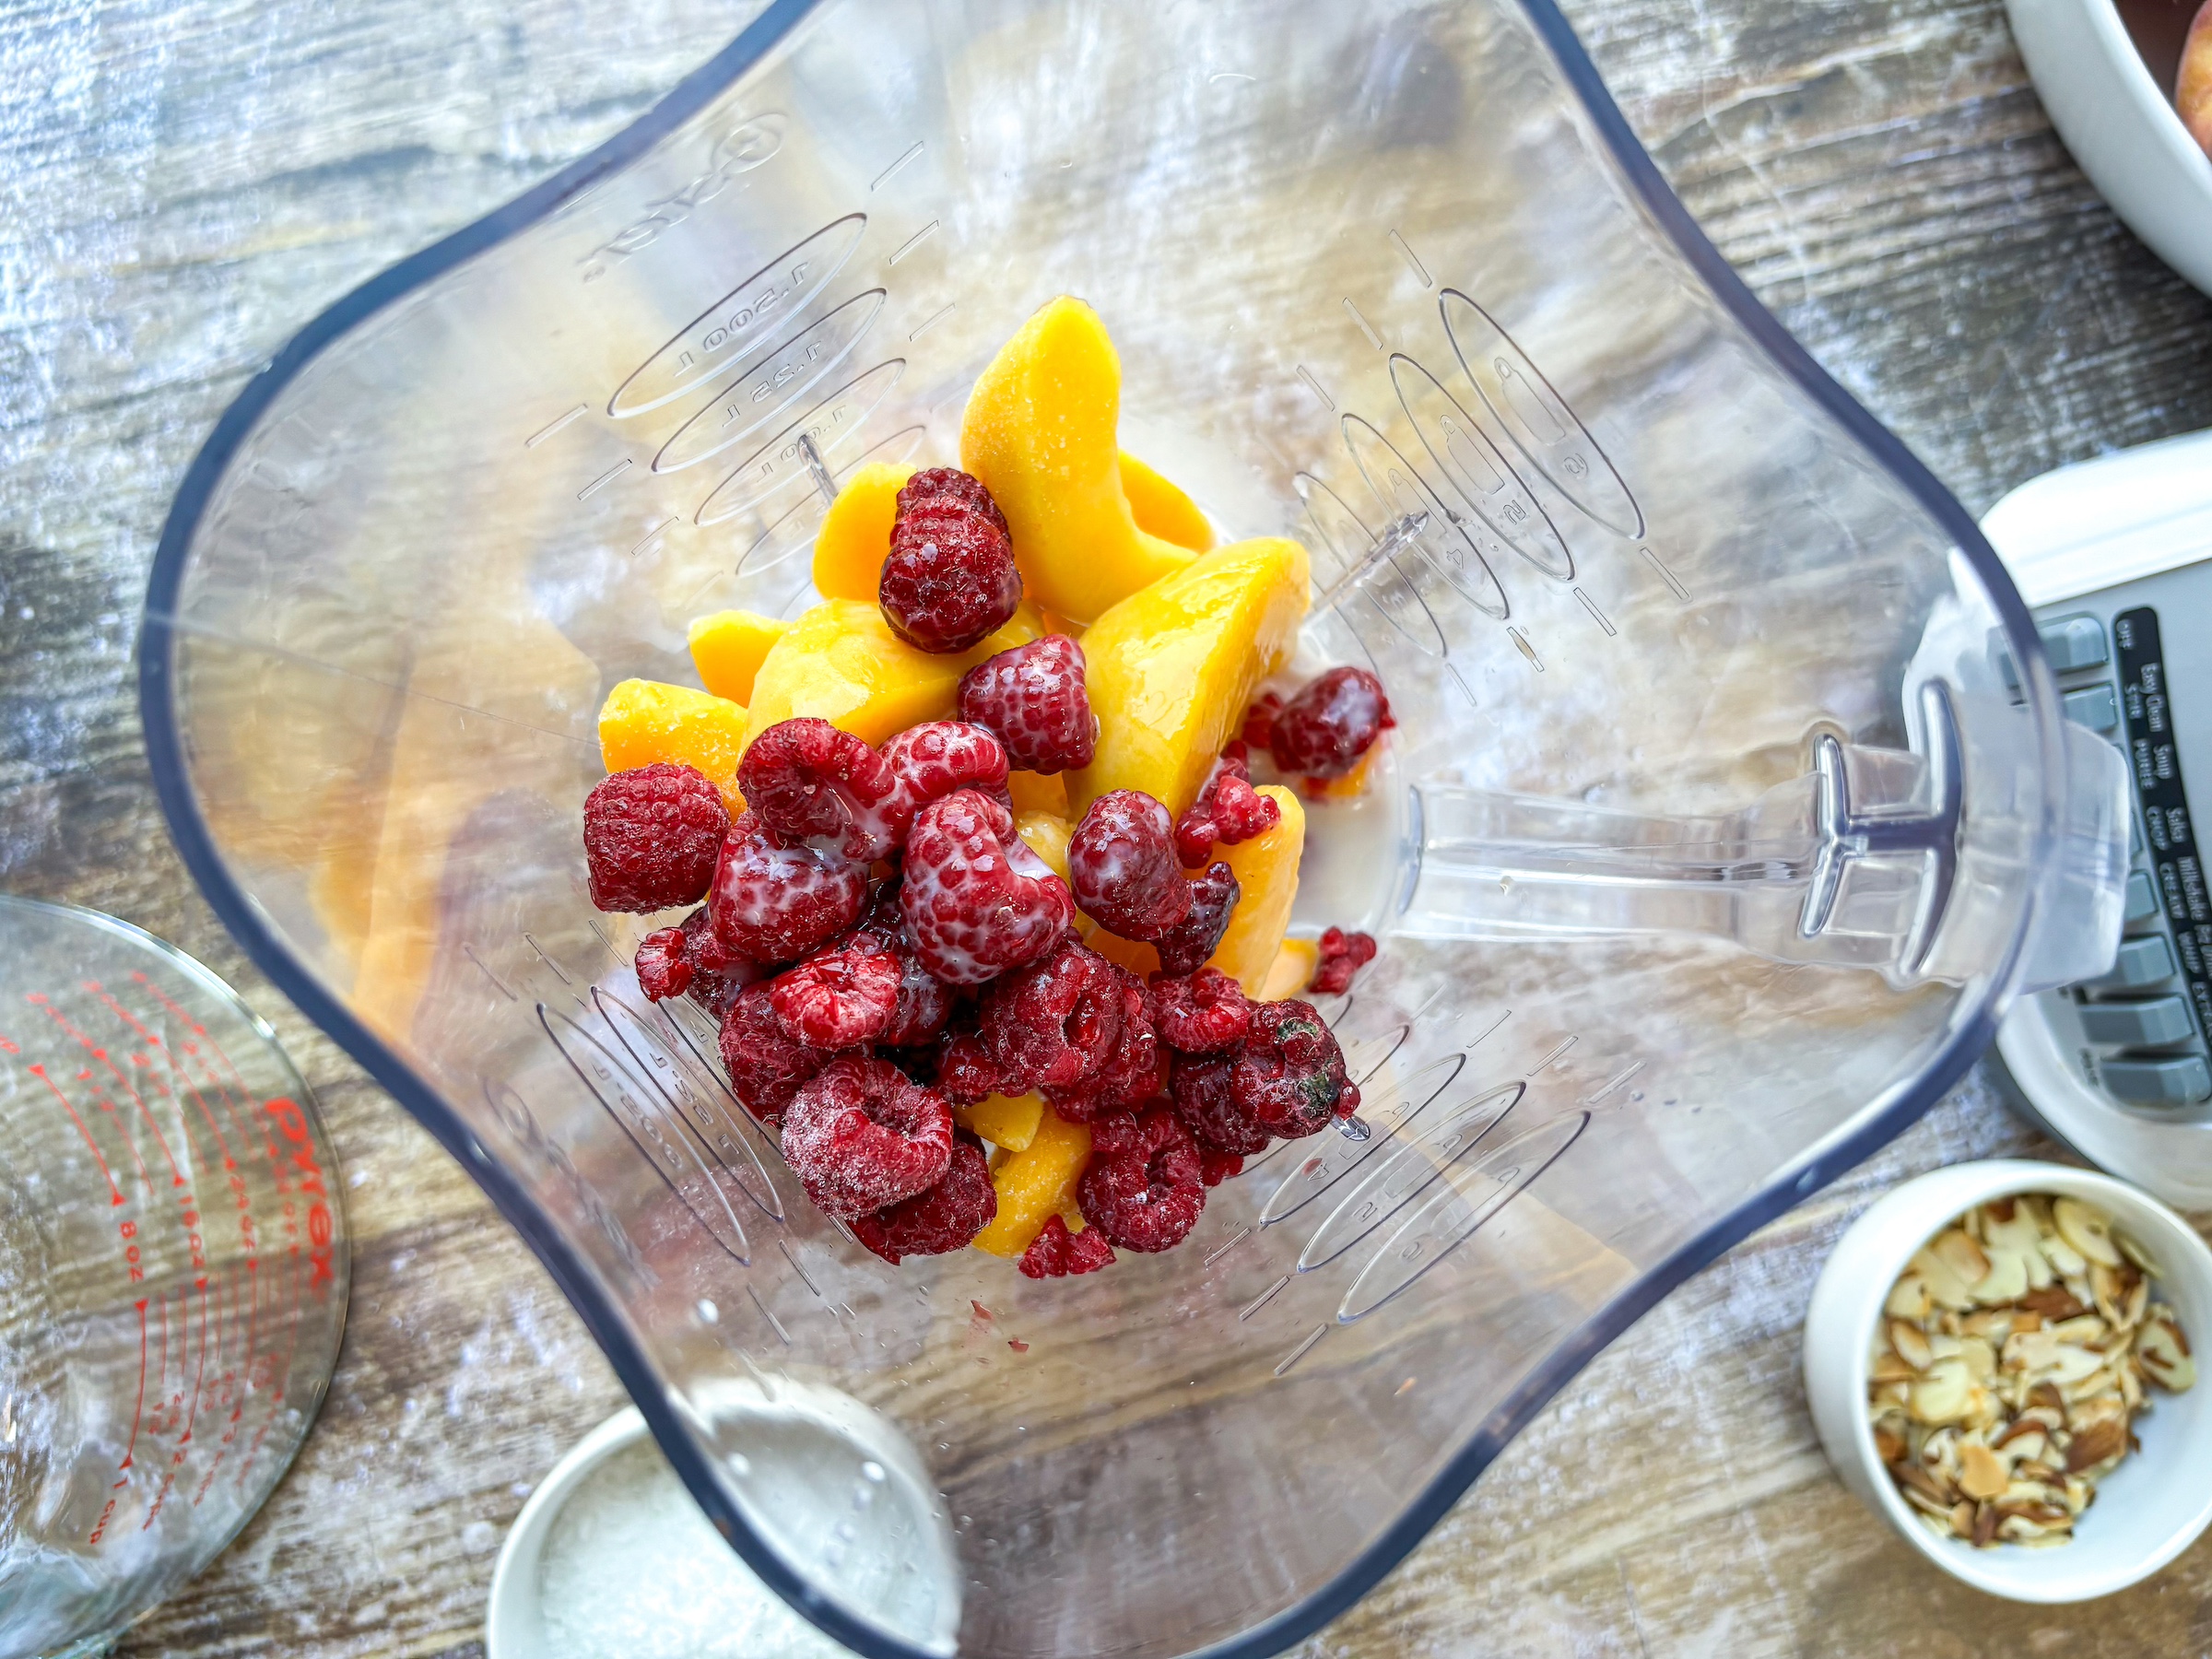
1033,697
1325,730
1057,1252
1213,1168
949,580
1206,1101
966,1071
766,1065
1144,1187
1228,810
976,901
1052,1025
813,786
651,836
1184,948
1133,1070
945,1216
924,1002
838,999
718,973
1342,955
774,904
862,1135
1203,1013
1289,1072
1122,864
931,760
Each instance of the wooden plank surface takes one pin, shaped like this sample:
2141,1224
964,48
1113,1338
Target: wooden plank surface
182,185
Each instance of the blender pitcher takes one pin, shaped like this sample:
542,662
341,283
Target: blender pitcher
1729,804
173,1271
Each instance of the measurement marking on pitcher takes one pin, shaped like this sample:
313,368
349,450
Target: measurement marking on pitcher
605,478
92,1145
547,961
1520,643
1221,1250
1666,575
931,320
1546,1064
652,536
1366,327
1313,385
1302,1350
774,1323
1263,1298
1412,259
1611,1084
911,242
1596,615
470,952
785,1245
884,177
553,425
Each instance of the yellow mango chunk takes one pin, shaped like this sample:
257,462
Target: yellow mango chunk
1039,431
1035,1183
1170,669
1354,782
644,721
1266,872
1291,971
1133,954
727,649
1162,510
1034,792
841,663
1047,834
1004,1121
855,536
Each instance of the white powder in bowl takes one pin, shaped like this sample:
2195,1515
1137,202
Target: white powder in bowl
632,1569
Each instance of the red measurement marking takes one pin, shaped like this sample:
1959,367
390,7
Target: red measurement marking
242,1094
39,1072
101,1054
153,1041
322,1224
138,1409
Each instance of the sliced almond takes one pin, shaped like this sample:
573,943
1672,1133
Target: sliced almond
2007,1277
2044,1398
2138,1301
2084,1329
1981,1472
1985,1526
2053,1302
1911,1343
1943,1392
1909,1299
2135,1254
1917,1483
1944,1285
1979,1357
1889,1446
2088,1228
2163,1353
1956,1249
2066,1261
1992,1325
1962,1519
2096,1443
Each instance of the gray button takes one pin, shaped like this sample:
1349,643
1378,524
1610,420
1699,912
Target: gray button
2096,707
2074,642
2142,962
2142,897
2176,1080
2147,1024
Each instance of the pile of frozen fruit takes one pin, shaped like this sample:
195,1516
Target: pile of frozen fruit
994,916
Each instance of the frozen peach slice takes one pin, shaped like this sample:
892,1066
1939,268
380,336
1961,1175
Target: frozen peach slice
1162,510
1039,431
1291,971
2192,87
1170,668
1266,872
855,536
1047,835
1036,1184
644,721
1003,1121
727,649
841,663
1035,792
1354,784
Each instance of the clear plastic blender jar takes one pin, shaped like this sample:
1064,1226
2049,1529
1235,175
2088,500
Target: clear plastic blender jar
1730,801
173,1271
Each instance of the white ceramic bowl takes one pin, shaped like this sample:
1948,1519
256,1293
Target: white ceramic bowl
2148,1511
511,1629
2121,126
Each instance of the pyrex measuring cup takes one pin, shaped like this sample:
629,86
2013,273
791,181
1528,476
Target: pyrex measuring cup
173,1272
1730,799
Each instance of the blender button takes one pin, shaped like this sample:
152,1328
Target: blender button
2094,706
2076,642
2147,1024
2142,897
2177,1080
2142,962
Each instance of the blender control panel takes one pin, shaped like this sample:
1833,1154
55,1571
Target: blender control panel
2133,665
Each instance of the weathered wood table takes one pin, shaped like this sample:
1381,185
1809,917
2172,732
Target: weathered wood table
185,183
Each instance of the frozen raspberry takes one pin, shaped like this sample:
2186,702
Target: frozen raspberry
968,1071
1342,955
861,1135
1122,863
1228,810
1034,698
1205,1013
925,1002
1259,720
838,999
1144,1188
976,901
931,760
650,837
1057,1252
1184,948
1133,1072
662,968
950,578
718,973
766,1066
774,904
1289,1072
1213,1168
1207,1103
1325,728
1054,1024
944,1217
813,786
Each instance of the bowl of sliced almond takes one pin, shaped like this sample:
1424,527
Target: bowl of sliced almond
1999,1360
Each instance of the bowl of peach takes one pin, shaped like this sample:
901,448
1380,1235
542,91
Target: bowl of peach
984,862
